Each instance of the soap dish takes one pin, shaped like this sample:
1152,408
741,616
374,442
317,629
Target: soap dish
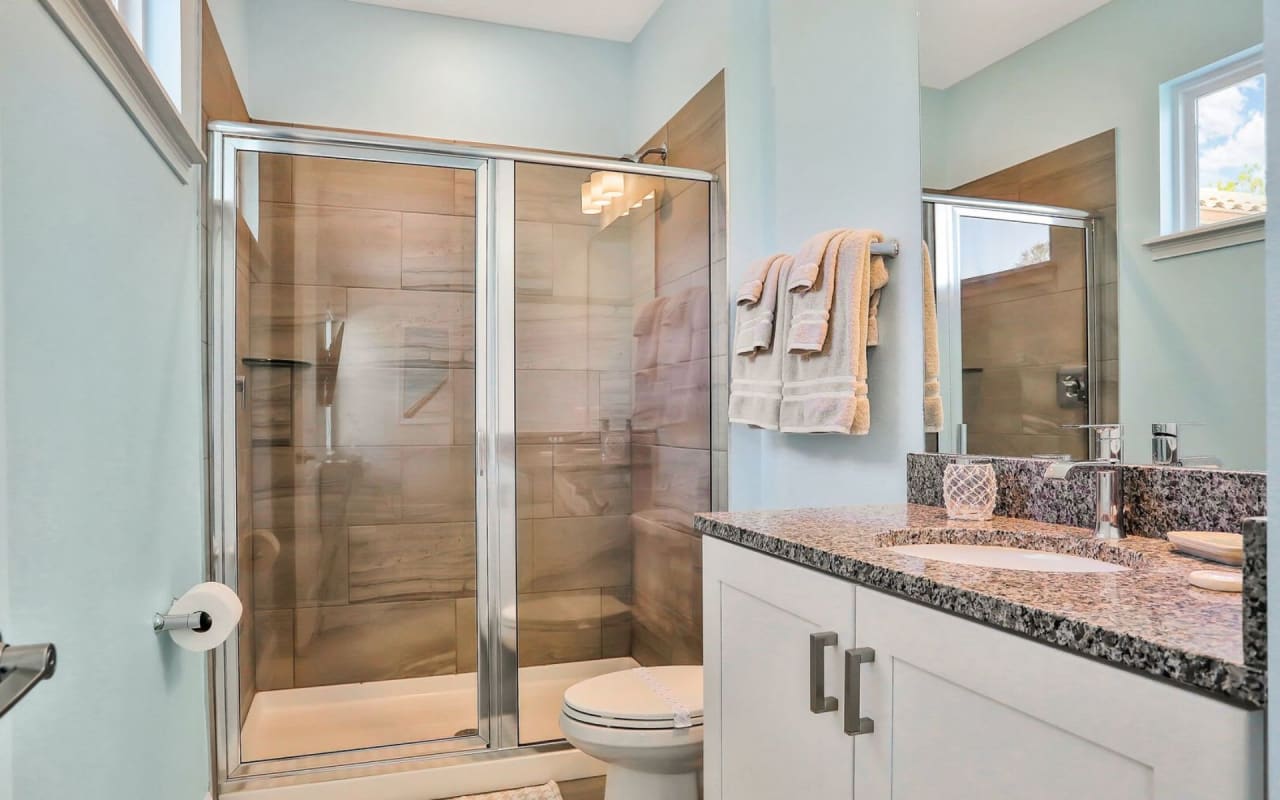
1217,580
1226,548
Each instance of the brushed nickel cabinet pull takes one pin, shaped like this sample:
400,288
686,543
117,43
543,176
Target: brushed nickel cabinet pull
854,723
819,702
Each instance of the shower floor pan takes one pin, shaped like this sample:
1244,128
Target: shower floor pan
326,719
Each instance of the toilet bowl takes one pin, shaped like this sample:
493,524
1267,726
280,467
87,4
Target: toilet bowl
646,724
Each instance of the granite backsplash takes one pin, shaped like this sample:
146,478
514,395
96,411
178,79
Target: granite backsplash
1157,499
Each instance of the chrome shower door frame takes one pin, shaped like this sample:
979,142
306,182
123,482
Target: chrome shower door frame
496,663
495,413
942,216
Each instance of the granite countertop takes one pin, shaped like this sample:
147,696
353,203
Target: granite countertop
1148,619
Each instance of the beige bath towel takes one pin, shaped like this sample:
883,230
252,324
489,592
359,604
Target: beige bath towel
756,321
932,387
755,391
811,310
825,391
879,277
809,260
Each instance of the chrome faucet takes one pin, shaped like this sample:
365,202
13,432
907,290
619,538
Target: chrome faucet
1109,522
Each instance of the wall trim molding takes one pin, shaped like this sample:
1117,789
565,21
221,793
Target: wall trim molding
1208,237
97,32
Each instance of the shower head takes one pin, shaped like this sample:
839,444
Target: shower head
638,158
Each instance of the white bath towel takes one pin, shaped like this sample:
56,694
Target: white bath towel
811,309
932,387
756,322
755,391
825,390
809,260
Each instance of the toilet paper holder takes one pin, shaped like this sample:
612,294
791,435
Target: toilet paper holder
198,621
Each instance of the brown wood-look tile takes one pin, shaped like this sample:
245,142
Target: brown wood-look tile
361,485
697,131
672,482
376,185
273,646
685,390
553,401
547,193
581,553
571,267
535,492
320,565
374,642
667,605
615,622
285,321
439,484
552,334
683,233
330,246
439,252
464,406
1014,333
275,178
557,627
468,652
412,562
585,789
270,405
609,338
220,94
535,259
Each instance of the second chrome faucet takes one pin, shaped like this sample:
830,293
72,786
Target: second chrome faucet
1109,519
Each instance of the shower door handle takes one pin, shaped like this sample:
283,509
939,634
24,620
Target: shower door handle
21,668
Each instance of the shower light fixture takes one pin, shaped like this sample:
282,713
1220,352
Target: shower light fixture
588,200
607,184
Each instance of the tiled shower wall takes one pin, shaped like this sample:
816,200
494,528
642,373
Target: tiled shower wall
573,418
680,439
364,555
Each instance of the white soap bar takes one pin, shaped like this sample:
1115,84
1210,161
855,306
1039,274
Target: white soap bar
1216,580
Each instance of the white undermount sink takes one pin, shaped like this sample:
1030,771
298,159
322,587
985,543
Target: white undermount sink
999,557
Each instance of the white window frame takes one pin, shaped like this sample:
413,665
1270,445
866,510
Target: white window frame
171,124
1181,230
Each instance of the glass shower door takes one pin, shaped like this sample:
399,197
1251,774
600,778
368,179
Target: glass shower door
355,360
1016,288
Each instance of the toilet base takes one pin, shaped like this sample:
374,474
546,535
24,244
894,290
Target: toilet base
629,784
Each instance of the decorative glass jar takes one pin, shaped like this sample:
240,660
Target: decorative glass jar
969,489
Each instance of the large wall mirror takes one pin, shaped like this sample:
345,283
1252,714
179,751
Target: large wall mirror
1094,190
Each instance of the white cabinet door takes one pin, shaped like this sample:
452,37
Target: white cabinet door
966,712
762,740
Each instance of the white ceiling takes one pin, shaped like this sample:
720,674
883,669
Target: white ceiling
958,39
619,20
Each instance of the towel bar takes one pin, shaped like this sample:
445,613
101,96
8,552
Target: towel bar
889,248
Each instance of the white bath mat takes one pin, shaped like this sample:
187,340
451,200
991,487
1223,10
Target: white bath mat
548,791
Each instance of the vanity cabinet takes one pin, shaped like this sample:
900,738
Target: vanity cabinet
957,709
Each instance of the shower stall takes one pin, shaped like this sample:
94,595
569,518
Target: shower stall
460,419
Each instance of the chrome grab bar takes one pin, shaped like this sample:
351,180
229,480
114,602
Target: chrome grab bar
21,668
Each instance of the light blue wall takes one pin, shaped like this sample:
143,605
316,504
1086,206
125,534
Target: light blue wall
340,64
1191,345
682,47
6,726
823,131
102,356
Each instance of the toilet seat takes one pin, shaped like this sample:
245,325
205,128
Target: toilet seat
646,698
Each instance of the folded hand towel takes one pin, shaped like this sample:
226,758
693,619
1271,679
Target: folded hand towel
932,388
751,289
811,310
756,388
756,322
809,260
645,332
826,391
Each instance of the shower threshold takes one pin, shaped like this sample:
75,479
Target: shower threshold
285,723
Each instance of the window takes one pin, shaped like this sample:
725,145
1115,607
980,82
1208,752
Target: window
148,52
1214,148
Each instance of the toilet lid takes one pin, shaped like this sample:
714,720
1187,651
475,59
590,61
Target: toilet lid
651,697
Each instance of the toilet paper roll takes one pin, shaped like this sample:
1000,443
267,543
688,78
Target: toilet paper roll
222,605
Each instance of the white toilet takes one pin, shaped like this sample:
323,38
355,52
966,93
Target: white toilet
646,724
